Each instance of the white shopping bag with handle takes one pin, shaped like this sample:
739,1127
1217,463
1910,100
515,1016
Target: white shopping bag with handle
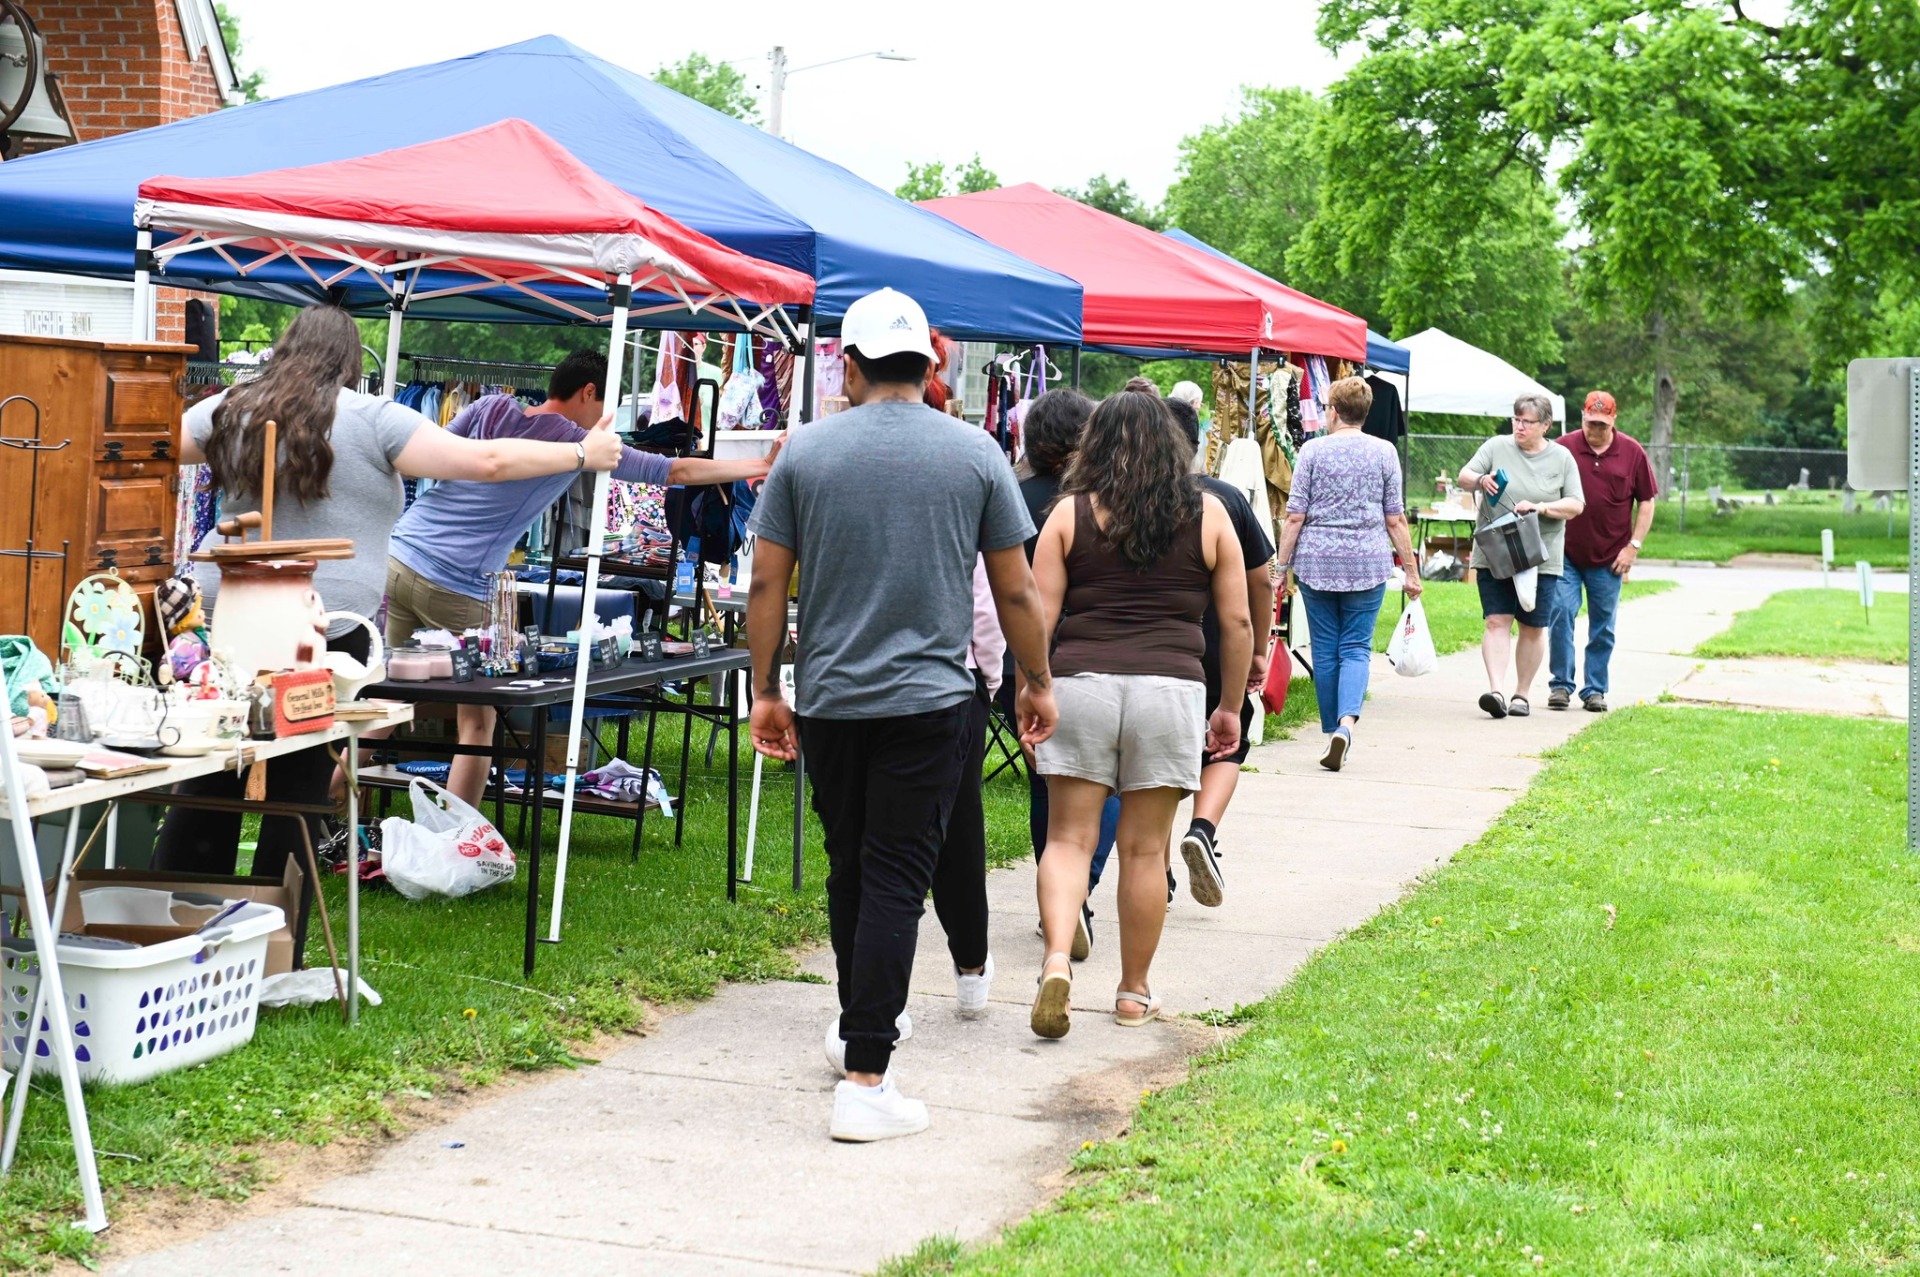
447,849
1411,647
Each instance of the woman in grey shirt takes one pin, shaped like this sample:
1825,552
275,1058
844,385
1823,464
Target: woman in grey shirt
337,473
1540,479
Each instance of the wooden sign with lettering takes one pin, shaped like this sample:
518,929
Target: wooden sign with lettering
302,701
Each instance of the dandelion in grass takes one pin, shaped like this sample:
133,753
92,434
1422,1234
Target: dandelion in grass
469,1013
1338,1146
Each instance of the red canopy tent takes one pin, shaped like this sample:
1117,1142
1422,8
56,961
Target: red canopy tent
503,206
1145,291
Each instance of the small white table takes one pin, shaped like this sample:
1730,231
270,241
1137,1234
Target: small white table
51,999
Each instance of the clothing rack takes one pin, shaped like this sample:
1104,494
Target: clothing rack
455,367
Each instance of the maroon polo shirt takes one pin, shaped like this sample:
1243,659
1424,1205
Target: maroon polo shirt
1613,481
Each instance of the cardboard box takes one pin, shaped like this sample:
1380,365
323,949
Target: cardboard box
283,893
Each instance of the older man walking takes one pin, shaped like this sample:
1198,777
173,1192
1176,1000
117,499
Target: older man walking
1602,543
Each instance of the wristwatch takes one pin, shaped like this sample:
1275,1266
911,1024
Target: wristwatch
1634,544
580,456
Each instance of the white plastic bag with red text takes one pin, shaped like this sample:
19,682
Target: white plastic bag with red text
447,849
1411,647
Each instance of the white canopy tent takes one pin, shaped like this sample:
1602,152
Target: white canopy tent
1451,377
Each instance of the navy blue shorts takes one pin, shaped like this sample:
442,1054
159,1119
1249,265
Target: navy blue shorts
1497,598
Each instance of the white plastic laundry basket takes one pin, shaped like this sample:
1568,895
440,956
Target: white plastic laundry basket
142,1011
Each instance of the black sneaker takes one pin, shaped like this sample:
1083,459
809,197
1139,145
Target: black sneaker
1204,878
1082,935
1173,885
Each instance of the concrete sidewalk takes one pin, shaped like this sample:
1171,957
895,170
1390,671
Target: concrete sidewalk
703,1148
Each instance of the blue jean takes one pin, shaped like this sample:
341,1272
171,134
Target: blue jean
1341,625
1602,588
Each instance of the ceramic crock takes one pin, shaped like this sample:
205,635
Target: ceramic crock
268,616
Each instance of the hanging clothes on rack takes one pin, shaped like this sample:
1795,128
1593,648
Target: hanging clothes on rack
773,400
782,379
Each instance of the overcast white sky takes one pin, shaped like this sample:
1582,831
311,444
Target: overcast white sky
1045,92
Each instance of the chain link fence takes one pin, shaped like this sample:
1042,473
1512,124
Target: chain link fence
1705,484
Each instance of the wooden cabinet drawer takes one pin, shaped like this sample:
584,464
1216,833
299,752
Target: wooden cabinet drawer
142,414
131,516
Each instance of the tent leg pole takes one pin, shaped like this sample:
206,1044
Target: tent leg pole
390,375
622,298
1076,368
144,325
1253,390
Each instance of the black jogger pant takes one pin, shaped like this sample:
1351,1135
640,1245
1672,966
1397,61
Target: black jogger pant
883,789
960,877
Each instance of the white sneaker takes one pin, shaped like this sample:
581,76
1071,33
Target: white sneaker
863,1114
972,990
837,1046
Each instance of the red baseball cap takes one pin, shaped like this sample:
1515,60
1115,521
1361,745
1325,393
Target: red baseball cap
1600,407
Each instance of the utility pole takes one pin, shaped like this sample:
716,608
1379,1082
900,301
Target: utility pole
777,88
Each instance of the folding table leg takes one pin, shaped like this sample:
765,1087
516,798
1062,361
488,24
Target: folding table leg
686,748
733,795
537,786
646,765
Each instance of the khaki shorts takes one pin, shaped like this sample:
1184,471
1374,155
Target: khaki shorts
1128,732
415,603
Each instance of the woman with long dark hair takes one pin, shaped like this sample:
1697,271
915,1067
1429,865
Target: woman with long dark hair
340,455
1126,566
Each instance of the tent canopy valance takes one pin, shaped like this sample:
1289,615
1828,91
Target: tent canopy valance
66,210
1146,292
544,226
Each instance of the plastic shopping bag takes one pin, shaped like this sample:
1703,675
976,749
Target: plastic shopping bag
447,849
1526,587
1411,647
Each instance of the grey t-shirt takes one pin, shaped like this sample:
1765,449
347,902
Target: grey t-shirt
1547,475
887,506
364,498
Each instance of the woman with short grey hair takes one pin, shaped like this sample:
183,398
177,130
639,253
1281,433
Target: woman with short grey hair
1521,473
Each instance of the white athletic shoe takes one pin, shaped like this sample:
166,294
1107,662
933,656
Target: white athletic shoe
836,1045
863,1114
972,990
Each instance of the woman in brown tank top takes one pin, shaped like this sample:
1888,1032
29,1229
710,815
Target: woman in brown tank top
1126,565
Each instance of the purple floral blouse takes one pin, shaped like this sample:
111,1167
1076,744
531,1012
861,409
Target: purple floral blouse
1346,485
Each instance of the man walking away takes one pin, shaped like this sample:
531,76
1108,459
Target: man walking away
1602,544
1219,777
884,510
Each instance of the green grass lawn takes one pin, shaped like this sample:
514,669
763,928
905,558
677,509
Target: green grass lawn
1777,529
1823,624
1657,1020
457,1011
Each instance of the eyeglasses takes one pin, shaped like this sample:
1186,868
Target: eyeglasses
1526,421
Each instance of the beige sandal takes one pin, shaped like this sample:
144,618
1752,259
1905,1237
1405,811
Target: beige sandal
1146,1000
1053,998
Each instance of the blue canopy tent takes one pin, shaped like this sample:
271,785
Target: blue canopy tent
71,210
1383,354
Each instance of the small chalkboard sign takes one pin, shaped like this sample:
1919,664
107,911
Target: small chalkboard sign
462,665
647,647
702,642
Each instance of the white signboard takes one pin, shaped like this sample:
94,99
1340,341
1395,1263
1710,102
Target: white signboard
1880,423
35,304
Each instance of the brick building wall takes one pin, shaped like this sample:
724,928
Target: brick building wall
126,66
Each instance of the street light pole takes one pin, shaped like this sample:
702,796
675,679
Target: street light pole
777,85
778,90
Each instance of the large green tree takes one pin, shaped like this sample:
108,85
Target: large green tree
1118,198
932,180
1249,184
720,85
1700,152
251,85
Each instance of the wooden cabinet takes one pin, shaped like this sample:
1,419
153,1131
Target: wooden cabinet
107,499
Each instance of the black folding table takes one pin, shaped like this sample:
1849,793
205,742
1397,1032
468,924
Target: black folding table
624,686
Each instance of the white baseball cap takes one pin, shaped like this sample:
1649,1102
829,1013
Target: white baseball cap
885,323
